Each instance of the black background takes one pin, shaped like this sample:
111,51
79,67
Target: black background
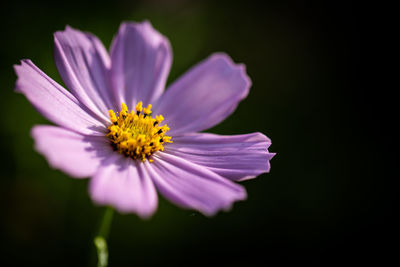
325,201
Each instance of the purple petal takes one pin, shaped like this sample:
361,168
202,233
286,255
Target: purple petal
73,153
141,60
192,186
84,65
204,96
53,101
236,157
124,184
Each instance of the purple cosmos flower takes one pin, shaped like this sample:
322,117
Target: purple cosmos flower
106,128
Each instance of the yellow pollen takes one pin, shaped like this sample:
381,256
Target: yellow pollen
136,134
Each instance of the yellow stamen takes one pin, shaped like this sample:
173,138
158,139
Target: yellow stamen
137,135
113,118
159,118
147,110
124,110
139,107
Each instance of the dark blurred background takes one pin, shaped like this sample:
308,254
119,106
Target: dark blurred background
323,201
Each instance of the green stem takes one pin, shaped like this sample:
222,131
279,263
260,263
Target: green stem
100,241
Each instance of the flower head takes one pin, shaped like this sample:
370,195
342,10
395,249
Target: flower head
118,126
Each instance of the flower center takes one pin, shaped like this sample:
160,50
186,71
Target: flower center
136,134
